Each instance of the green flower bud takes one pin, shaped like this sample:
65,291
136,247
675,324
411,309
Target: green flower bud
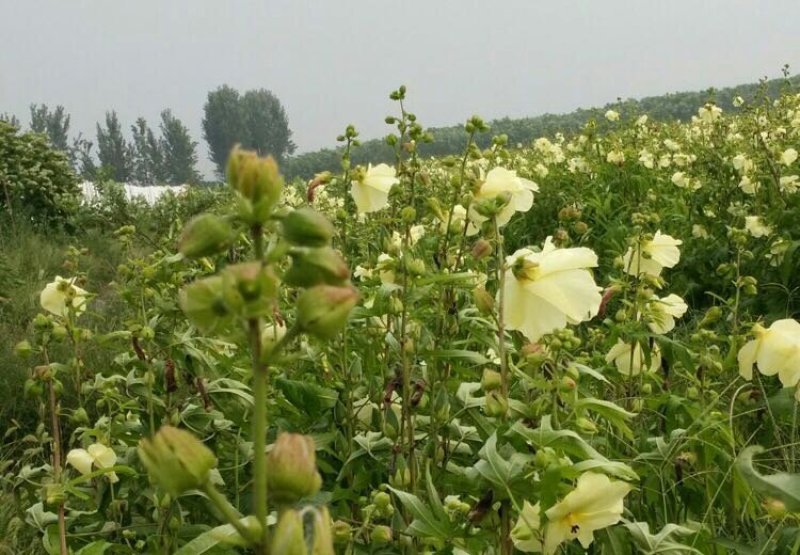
305,227
42,322
408,214
483,300
490,380
496,404
775,508
59,332
491,207
205,235
177,460
316,266
323,534
80,417
342,532
54,494
288,538
401,479
586,425
253,177
249,286
292,468
322,311
23,349
381,535
382,500
441,405
205,305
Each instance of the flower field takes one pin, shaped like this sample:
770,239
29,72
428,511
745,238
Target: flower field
588,343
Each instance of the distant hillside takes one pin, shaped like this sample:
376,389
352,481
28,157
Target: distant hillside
448,140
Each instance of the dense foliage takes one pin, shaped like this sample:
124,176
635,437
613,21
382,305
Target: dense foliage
589,341
36,182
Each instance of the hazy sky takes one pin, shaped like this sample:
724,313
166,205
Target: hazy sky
334,62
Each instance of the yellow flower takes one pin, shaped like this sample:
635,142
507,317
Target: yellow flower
501,181
756,227
788,157
612,115
544,291
651,256
615,157
96,454
775,350
371,192
525,533
662,312
60,295
594,504
630,359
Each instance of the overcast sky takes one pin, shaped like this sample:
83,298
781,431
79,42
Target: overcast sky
334,62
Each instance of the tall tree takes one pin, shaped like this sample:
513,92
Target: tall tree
54,124
113,150
10,118
148,155
267,124
223,124
82,159
180,151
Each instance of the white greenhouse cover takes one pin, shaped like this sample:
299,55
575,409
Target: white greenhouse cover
149,193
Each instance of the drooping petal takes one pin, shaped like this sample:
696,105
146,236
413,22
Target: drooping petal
81,460
747,358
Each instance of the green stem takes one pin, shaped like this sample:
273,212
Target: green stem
260,376
229,512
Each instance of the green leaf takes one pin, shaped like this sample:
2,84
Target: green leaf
307,397
497,470
781,485
221,535
573,444
461,354
95,548
425,523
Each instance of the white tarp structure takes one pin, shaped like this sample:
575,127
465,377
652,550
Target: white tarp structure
149,193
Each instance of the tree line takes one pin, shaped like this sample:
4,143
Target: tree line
166,152
679,106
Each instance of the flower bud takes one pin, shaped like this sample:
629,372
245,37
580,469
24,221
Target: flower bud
483,300
481,249
54,494
177,460
316,266
496,404
342,532
586,425
23,349
490,380
322,311
292,468
775,508
408,214
381,535
288,538
323,535
204,304
258,182
305,227
205,235
249,285
382,500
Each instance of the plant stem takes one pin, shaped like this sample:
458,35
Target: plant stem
229,512
260,498
62,525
